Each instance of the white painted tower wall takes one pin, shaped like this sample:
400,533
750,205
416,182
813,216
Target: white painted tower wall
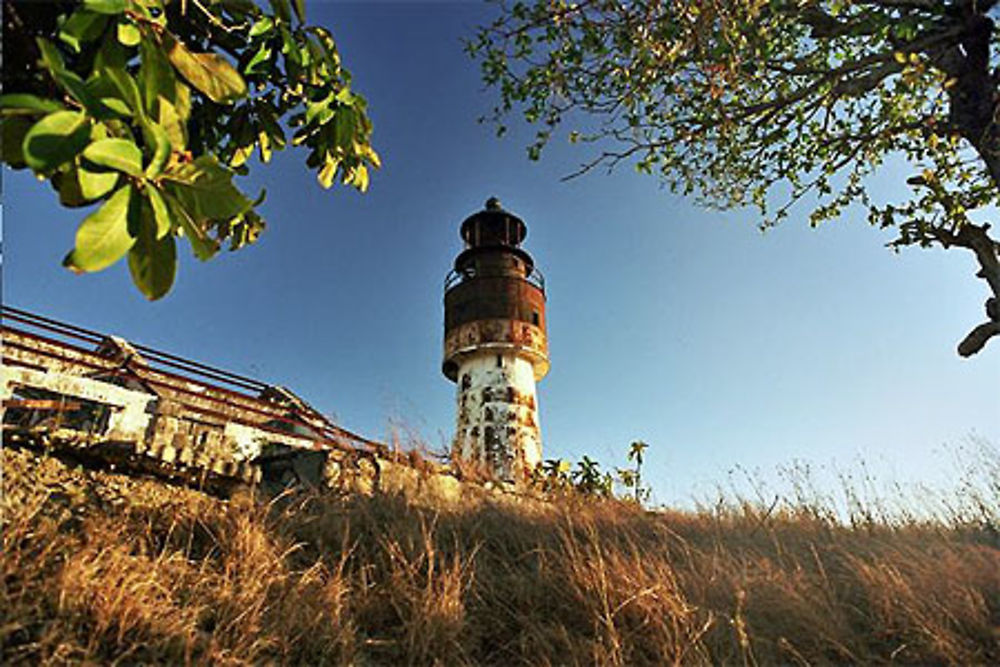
497,425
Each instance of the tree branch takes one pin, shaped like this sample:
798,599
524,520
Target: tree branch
976,238
978,337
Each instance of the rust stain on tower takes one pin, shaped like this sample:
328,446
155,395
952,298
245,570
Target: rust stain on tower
495,346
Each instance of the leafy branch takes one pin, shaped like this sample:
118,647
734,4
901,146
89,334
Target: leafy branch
768,105
148,109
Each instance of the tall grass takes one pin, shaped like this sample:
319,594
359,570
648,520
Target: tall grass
98,568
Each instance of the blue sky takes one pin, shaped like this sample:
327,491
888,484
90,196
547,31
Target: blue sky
718,345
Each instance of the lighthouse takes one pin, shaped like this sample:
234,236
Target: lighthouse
495,346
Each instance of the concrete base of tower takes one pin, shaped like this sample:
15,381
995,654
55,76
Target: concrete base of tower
497,427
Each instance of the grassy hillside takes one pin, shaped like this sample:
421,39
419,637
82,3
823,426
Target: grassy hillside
98,567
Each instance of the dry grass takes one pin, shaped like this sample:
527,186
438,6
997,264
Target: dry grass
171,576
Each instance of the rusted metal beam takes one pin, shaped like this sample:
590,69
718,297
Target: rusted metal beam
103,364
71,330
158,356
42,404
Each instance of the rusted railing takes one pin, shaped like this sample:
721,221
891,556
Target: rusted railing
172,372
456,277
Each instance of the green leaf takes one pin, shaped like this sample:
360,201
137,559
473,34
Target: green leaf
111,55
79,186
96,184
290,48
332,58
281,10
128,34
103,88
116,105
160,140
105,6
51,57
67,183
156,76
300,9
104,237
23,103
98,131
152,261
12,132
161,213
208,72
345,127
260,60
266,115
69,81
119,154
318,111
174,125
263,26
264,143
368,153
127,89
55,139
245,229
328,172
361,178
203,246
318,57
183,102
241,155
206,189
82,26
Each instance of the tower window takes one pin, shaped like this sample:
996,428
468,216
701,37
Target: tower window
499,361
535,319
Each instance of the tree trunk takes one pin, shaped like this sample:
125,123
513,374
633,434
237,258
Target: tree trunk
974,111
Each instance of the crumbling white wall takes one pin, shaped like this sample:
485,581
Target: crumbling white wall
497,425
130,412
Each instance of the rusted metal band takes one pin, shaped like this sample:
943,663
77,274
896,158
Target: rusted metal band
165,358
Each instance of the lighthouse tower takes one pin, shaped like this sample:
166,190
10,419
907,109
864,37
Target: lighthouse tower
495,348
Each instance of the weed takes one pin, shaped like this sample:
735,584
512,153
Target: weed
146,574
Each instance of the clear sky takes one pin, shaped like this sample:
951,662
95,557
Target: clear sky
718,345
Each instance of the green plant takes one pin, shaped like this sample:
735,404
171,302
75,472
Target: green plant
148,108
553,475
589,480
635,454
631,478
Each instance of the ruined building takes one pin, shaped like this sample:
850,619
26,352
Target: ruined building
495,347
70,389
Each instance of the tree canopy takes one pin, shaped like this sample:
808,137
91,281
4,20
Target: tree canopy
145,110
766,103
